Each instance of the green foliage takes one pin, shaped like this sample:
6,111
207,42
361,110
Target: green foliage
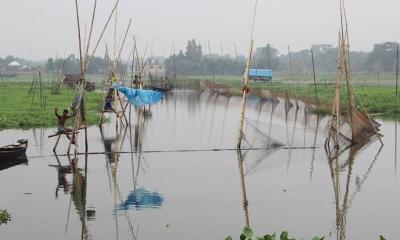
16,111
5,217
247,234
213,62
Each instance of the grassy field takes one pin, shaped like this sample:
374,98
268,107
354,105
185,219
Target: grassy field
17,110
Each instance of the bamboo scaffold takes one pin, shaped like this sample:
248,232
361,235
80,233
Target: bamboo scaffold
246,80
77,104
112,96
359,121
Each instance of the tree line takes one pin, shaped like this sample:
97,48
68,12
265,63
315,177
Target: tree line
194,61
70,65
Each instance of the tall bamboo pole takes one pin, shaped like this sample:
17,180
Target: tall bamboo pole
246,80
211,61
90,32
102,34
397,70
315,79
79,37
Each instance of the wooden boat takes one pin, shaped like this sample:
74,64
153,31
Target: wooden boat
14,151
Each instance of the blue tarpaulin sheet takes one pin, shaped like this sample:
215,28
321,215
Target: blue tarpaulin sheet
139,97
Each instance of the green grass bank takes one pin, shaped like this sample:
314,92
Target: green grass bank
18,111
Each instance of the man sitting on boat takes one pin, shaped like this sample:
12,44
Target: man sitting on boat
61,123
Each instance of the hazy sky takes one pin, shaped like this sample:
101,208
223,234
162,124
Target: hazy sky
38,29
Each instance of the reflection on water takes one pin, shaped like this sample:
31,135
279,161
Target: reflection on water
125,190
141,198
243,189
9,163
341,170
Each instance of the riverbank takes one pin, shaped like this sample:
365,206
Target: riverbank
380,100
18,111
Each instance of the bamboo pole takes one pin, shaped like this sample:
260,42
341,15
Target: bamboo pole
115,33
175,68
224,63
290,64
102,34
315,79
246,80
90,32
79,37
41,91
123,43
211,61
397,70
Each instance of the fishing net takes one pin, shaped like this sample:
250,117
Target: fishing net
218,88
258,135
140,97
354,127
263,95
288,104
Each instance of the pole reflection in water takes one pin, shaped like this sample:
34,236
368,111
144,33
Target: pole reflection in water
395,148
243,188
342,193
314,148
77,190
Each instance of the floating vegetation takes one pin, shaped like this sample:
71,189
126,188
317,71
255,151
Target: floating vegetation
5,217
247,234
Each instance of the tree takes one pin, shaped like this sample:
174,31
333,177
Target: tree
50,65
266,57
382,57
193,51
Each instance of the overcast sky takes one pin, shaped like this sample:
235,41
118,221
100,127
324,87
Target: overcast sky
38,29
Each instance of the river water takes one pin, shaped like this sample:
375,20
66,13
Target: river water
179,177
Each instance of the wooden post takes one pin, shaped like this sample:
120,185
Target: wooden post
211,61
315,80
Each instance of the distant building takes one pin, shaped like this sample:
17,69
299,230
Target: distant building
154,69
14,64
259,74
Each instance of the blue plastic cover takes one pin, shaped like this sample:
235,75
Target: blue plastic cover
259,73
140,97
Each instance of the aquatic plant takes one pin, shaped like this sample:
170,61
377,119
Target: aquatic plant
247,234
5,217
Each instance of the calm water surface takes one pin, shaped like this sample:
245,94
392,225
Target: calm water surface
165,191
